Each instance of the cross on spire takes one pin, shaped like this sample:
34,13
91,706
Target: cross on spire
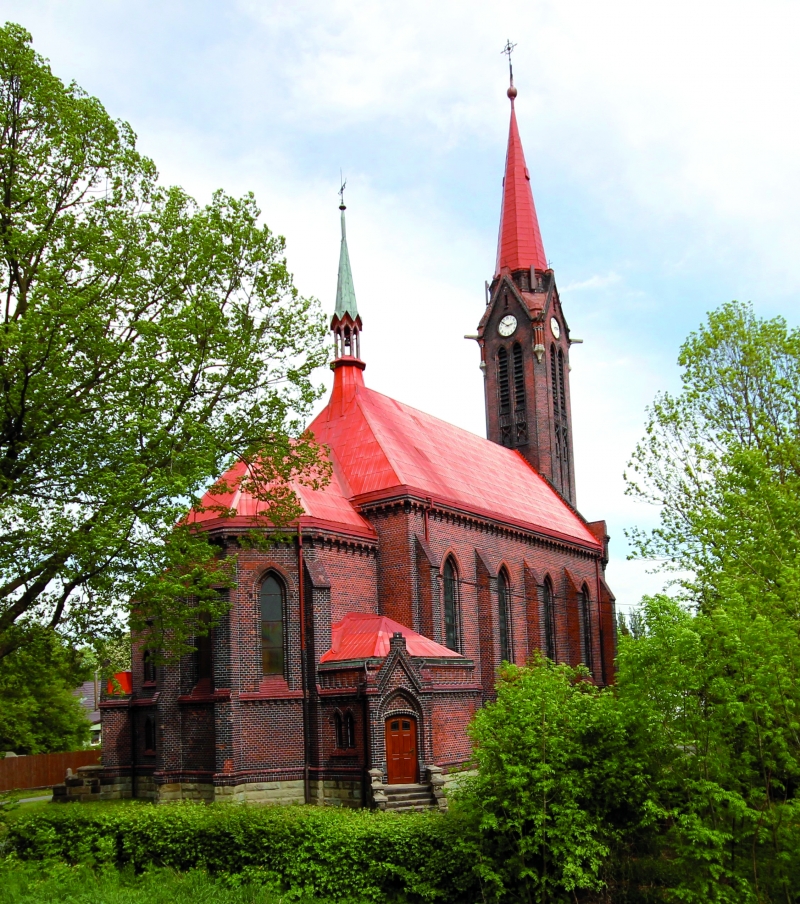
341,191
508,50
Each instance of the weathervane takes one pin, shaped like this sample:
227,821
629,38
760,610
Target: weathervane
508,50
341,191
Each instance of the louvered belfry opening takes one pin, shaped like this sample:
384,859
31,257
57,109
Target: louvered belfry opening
520,416
561,468
504,393
511,396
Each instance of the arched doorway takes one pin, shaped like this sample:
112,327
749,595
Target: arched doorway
401,750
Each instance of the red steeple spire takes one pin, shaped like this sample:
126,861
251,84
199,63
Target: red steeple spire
519,245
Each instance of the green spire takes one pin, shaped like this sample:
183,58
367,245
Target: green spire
345,293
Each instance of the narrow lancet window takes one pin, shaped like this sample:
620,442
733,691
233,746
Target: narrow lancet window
586,624
450,605
549,621
503,600
272,617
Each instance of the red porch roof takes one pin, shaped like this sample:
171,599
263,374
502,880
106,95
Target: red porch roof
359,636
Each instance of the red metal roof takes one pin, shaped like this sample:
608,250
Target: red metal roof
379,446
359,636
519,244
325,508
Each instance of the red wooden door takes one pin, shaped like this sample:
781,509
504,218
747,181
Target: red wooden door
401,750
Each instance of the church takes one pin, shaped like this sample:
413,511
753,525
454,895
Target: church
352,658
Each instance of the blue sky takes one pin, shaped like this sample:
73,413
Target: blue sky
661,138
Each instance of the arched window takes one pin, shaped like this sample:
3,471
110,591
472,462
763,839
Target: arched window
549,621
450,605
519,378
272,609
149,666
149,734
586,624
345,730
203,654
503,606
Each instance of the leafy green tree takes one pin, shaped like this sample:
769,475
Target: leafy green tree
722,461
40,713
717,694
146,344
718,670
561,784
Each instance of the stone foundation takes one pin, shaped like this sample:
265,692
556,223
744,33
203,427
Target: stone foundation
288,792
202,791
336,793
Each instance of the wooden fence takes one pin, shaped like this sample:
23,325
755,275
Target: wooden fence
43,770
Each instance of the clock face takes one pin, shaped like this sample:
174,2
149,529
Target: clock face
555,327
507,325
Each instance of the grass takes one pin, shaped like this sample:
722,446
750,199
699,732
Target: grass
36,883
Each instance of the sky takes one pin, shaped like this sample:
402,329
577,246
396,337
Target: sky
660,137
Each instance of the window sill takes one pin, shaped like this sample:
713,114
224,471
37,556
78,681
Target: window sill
196,696
349,752
273,687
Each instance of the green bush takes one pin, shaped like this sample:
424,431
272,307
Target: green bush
562,789
338,854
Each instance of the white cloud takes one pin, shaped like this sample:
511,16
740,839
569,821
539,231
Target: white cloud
593,282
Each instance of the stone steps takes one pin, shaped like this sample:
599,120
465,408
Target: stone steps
409,797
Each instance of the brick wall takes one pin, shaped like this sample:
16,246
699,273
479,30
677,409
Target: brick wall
248,732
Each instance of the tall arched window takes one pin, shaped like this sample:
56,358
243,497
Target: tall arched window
549,621
586,625
149,666
149,734
349,731
503,606
450,605
272,609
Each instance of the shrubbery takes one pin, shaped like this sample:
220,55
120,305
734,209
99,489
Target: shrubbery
330,853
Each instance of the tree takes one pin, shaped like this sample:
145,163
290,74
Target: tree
146,344
562,783
722,461
40,712
718,670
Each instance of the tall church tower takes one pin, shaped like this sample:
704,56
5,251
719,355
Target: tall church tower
524,337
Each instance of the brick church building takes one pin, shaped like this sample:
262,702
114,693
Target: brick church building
353,658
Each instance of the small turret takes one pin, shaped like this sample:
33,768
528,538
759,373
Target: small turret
346,322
